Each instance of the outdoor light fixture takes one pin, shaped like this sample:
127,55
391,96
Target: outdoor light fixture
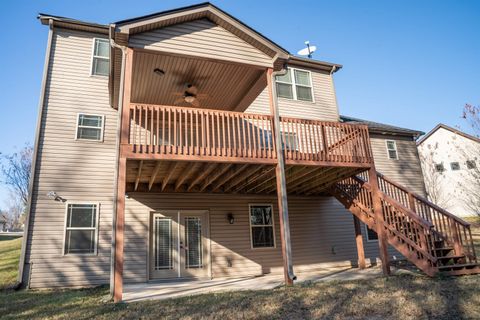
159,72
189,99
230,218
54,196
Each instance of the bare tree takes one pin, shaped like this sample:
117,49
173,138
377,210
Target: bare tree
471,186
14,212
16,172
434,182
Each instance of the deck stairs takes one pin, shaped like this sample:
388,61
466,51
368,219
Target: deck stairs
436,241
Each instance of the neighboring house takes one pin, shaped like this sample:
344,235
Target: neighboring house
451,166
177,145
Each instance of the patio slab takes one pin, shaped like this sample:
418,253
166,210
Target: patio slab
180,288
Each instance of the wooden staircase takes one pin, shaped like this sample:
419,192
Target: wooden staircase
428,236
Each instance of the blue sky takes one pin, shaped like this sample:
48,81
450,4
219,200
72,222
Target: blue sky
407,63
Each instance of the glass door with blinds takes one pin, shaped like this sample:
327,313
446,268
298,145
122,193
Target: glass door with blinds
179,245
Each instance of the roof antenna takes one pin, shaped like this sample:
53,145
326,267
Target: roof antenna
308,51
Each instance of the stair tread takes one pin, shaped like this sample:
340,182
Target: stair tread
451,257
459,265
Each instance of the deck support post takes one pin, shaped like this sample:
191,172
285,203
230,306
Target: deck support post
378,211
119,226
359,241
281,184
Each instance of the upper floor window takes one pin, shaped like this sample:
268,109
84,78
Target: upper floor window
296,84
101,49
261,226
455,166
392,149
471,164
439,167
89,127
81,227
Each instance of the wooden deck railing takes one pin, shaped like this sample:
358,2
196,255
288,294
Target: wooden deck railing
166,132
448,227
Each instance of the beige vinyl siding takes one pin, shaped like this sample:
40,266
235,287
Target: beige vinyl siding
321,230
323,108
201,38
78,171
407,169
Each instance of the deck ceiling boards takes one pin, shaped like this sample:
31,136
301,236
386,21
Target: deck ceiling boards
220,85
209,177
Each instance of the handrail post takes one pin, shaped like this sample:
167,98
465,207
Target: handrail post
411,202
457,245
378,212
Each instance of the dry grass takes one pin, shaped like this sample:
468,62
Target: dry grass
9,256
397,297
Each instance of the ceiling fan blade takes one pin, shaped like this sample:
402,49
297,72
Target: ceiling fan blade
196,103
179,101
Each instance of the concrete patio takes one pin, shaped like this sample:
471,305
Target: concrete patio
179,288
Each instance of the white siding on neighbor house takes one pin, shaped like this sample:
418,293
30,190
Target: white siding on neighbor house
406,170
323,108
201,38
321,230
78,171
457,191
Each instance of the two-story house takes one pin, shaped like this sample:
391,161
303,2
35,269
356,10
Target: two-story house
185,144
451,166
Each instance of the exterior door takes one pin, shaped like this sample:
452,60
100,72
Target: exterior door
179,245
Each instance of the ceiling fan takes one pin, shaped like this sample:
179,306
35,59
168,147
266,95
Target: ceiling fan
190,96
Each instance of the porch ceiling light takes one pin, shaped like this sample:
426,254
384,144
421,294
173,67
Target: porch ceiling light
159,72
190,99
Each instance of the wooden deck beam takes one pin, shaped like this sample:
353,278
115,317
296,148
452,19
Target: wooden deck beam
139,174
184,177
208,168
169,174
209,180
158,165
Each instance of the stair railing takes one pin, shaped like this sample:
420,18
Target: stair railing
448,227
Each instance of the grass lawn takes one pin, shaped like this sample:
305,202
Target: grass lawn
398,297
9,256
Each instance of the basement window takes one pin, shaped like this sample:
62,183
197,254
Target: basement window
89,127
81,228
371,234
392,149
296,84
100,57
261,226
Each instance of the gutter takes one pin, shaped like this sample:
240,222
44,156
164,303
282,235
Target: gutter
281,164
117,158
41,104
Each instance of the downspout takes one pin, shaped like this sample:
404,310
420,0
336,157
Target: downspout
41,104
281,164
117,157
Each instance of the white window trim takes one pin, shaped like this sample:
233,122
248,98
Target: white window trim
95,251
294,84
102,127
396,150
92,56
366,235
250,205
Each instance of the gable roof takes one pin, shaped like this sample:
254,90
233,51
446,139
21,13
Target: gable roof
444,126
382,128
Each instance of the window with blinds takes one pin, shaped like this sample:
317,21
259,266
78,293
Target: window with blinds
261,225
193,242
162,243
81,229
